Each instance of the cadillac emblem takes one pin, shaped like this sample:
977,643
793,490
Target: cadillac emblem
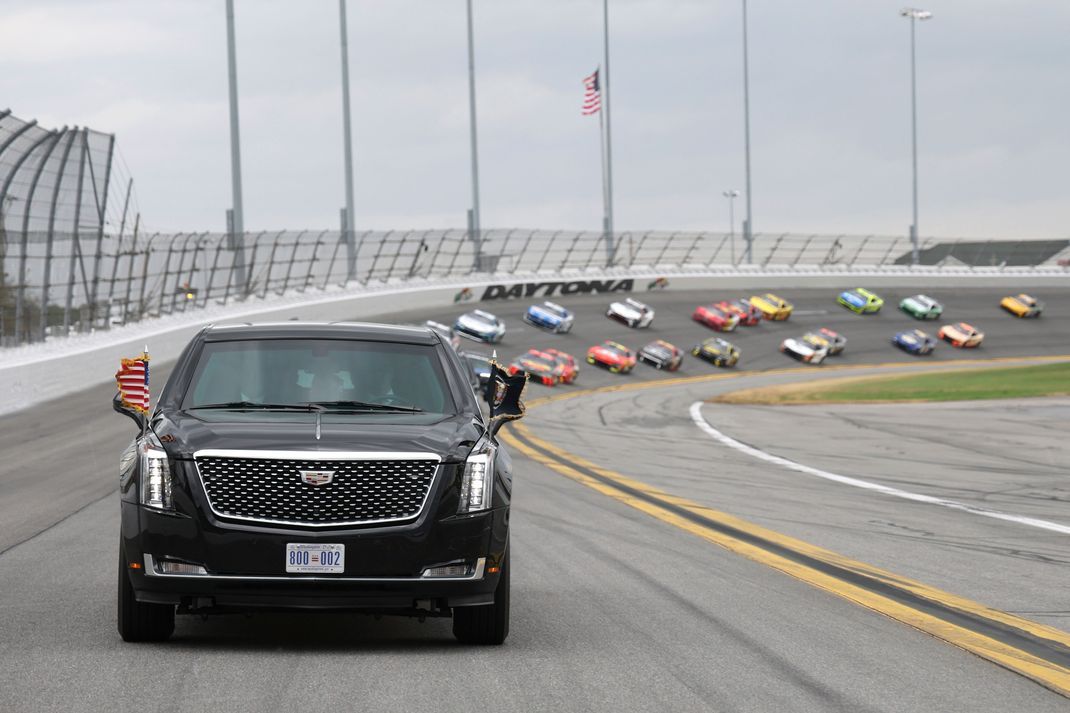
316,477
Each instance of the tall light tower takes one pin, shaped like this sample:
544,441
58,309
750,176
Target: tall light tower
748,225
914,14
348,224
236,229
474,221
731,194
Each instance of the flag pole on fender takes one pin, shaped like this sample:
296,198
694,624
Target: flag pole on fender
133,382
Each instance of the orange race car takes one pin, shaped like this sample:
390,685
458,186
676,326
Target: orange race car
539,366
618,358
962,335
567,364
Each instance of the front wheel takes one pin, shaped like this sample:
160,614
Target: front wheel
140,621
486,625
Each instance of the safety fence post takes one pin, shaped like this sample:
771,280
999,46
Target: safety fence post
691,249
799,255
397,254
334,256
854,258
312,260
178,273
211,274
888,252
143,304
546,251
271,263
290,264
378,254
769,257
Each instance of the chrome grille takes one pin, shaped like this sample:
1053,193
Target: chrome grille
364,489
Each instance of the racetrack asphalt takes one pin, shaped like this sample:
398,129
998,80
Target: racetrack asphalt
612,609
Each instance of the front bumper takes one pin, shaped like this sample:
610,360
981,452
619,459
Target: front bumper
244,565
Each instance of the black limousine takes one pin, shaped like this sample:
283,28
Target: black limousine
346,467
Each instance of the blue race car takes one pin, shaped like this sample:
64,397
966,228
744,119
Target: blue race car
915,341
549,316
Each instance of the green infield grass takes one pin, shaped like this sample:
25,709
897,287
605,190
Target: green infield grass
958,385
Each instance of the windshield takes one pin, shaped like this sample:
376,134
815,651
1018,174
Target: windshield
358,375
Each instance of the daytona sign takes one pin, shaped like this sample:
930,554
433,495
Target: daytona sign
549,289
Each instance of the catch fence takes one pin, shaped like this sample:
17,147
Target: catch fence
52,283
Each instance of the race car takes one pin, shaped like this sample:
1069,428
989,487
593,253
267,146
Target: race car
661,355
715,318
618,358
479,369
809,349
1022,305
915,341
961,334
772,307
861,301
550,316
922,307
836,341
748,314
445,332
538,366
717,351
631,312
480,326
567,363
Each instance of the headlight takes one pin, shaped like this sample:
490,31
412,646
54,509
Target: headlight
477,483
155,476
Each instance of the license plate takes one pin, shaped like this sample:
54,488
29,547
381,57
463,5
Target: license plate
315,558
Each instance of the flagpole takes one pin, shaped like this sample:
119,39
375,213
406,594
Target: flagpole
610,251
602,164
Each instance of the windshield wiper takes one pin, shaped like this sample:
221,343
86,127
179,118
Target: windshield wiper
254,406
357,406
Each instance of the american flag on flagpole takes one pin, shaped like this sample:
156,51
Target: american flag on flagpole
133,381
592,95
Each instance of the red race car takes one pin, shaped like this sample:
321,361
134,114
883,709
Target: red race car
618,358
539,366
715,318
748,314
567,363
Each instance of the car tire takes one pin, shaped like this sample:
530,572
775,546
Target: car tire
486,625
140,621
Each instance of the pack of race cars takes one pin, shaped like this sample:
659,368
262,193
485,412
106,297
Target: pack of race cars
552,366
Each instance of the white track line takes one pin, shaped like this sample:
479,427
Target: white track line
696,416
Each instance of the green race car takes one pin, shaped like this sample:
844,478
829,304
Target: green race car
922,307
860,301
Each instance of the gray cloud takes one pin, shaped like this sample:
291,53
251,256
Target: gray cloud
830,108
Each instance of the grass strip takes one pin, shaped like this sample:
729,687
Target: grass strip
959,385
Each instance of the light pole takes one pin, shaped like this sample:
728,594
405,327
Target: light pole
236,229
475,226
350,222
748,225
914,15
731,195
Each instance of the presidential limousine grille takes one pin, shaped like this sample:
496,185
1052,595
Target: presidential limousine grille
294,491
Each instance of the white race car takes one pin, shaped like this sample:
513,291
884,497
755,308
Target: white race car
480,326
809,349
631,312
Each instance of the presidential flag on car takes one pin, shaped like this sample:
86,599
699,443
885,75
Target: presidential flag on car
133,381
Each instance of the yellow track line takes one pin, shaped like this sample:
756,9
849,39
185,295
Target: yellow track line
656,503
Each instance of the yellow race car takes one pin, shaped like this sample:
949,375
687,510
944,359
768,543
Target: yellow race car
773,308
1022,305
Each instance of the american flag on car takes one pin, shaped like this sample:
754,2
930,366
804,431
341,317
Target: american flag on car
133,381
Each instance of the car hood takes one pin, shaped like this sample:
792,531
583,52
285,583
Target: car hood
658,352
625,310
449,437
545,314
853,298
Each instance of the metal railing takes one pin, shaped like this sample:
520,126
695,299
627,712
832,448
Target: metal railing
50,285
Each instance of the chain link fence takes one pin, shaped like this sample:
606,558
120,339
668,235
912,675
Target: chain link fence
128,279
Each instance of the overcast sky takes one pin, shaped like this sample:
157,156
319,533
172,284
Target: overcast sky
830,105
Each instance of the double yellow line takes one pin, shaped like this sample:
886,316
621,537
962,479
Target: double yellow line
1034,650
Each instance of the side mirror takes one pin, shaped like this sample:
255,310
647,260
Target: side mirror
503,393
132,413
